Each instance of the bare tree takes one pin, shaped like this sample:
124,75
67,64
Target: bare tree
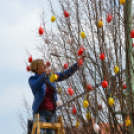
103,23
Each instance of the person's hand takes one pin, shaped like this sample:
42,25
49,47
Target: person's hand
48,71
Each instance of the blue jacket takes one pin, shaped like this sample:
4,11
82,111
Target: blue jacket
38,86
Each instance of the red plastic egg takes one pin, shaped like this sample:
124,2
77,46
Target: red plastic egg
124,86
89,87
80,52
28,68
70,91
104,84
65,66
80,62
30,59
99,106
74,110
109,18
66,14
102,56
132,34
41,30
48,64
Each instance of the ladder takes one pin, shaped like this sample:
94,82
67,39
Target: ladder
58,126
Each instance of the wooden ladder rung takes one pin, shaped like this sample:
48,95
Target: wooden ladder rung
49,125
59,126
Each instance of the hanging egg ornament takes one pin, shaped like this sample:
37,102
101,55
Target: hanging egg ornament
106,129
132,34
65,66
77,124
70,41
28,68
60,90
41,30
128,121
53,18
85,104
66,14
88,116
53,78
111,101
102,56
116,69
96,128
89,87
109,18
30,59
83,35
80,62
48,64
124,86
74,110
104,84
99,106
80,51
100,23
122,2
70,91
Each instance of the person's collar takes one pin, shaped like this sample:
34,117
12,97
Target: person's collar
35,74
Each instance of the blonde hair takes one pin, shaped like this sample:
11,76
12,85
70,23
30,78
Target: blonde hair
35,64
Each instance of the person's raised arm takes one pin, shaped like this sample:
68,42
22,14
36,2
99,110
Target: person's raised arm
67,73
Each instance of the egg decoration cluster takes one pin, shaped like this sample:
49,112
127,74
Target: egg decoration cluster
30,59
53,77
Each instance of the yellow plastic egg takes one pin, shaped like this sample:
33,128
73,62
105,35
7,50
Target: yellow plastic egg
116,69
55,77
122,2
60,90
106,129
128,122
53,18
85,104
51,79
88,116
100,23
77,124
82,34
111,101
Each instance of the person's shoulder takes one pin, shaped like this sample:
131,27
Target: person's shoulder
33,77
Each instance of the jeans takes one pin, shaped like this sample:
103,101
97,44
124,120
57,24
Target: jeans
46,116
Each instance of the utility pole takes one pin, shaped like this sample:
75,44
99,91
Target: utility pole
129,61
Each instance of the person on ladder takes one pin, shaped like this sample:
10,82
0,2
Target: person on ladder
44,91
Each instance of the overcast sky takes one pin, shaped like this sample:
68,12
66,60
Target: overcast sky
18,20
